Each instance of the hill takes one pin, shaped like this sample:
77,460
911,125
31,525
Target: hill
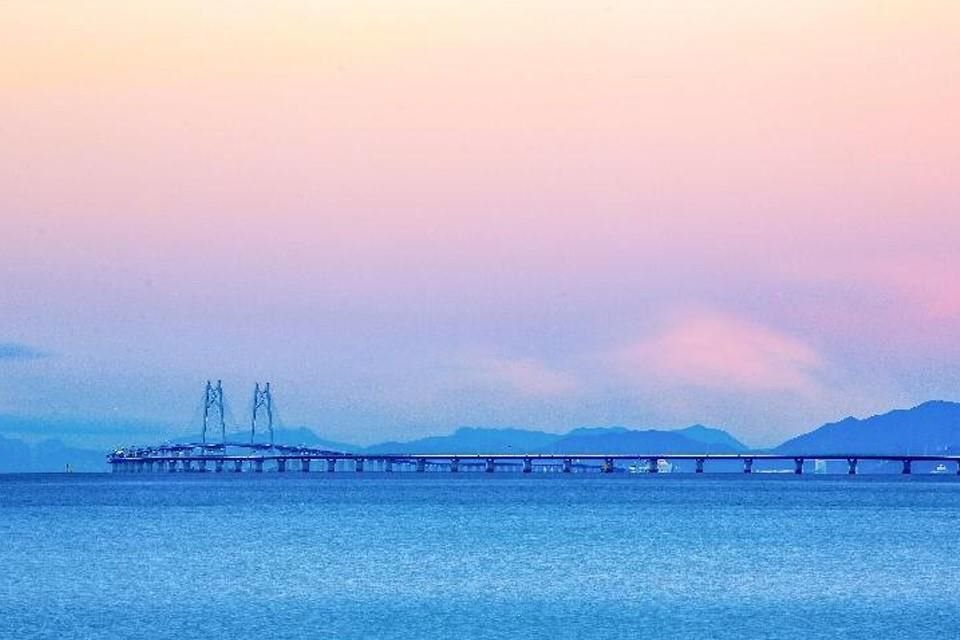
472,439
629,441
930,428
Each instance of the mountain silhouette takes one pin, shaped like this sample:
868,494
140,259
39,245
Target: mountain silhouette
930,428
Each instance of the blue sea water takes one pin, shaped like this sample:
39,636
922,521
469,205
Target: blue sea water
478,556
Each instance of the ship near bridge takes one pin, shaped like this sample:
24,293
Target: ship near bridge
224,455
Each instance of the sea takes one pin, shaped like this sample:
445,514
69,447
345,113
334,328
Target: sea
503,555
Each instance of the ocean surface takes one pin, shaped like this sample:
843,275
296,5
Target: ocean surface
477,556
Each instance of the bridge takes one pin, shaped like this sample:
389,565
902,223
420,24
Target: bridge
238,457
257,457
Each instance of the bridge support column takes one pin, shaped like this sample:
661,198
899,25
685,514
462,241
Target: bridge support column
958,467
652,466
358,465
258,465
387,465
567,465
187,465
700,462
171,465
607,466
201,465
851,466
421,465
281,464
218,466
527,465
798,466
454,465
748,465
331,465
907,466
305,465
491,465
237,466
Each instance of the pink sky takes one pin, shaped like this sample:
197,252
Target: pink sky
416,215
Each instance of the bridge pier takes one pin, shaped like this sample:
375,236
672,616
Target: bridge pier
331,465
237,466
852,466
907,466
527,465
187,465
748,465
258,465
700,462
491,465
171,465
454,465
358,465
218,466
958,467
201,465
607,466
798,466
567,465
387,465
281,465
421,465
652,466
305,465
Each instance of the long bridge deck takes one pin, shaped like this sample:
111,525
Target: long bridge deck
237,457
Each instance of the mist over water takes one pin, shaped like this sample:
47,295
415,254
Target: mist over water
466,556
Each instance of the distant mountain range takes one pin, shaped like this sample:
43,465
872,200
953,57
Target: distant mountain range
932,427
596,440
17,456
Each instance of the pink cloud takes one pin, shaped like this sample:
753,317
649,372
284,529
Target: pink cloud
526,376
725,353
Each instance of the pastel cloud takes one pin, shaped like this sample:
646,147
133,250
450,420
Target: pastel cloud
724,353
525,376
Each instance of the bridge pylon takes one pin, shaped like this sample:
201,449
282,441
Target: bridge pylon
262,399
213,399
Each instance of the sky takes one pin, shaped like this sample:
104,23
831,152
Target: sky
411,216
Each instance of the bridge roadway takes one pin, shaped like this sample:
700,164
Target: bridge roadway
200,457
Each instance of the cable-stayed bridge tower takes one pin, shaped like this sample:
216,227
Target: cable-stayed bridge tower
213,399
262,399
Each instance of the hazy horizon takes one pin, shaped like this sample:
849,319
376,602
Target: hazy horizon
92,433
